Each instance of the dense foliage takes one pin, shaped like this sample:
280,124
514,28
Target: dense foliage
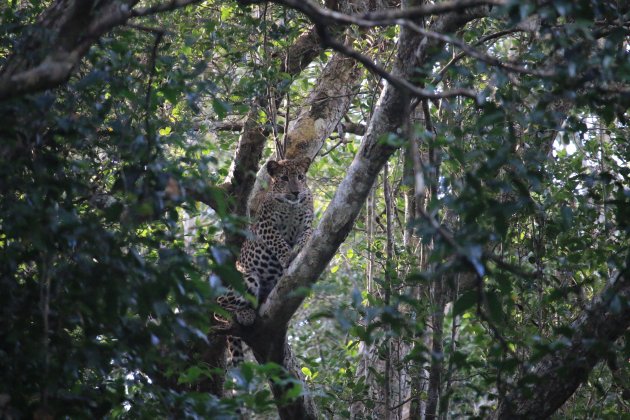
451,293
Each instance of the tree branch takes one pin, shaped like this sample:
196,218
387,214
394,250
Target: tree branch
74,31
326,17
398,82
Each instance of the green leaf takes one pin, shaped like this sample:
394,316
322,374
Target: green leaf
193,374
465,301
226,12
293,392
307,372
220,108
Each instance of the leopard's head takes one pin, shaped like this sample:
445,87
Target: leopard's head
288,179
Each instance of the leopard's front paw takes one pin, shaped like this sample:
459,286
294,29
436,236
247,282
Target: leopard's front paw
222,324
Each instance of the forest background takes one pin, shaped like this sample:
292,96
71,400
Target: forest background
471,166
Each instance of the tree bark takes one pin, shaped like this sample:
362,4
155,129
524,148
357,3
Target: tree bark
213,355
325,107
278,351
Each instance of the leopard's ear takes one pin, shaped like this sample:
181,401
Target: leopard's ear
304,163
273,167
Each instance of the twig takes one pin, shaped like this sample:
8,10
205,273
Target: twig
272,96
341,140
274,122
285,137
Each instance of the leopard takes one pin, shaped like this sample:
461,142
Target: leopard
282,219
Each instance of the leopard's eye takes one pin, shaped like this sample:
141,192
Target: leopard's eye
285,178
300,177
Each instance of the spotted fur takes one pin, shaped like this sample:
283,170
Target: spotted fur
282,224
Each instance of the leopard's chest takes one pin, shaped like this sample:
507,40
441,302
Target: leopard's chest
289,221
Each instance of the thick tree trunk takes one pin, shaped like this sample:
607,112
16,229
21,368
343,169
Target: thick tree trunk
242,176
272,346
326,105
338,220
213,355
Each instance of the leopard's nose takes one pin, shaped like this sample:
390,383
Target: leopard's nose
295,195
